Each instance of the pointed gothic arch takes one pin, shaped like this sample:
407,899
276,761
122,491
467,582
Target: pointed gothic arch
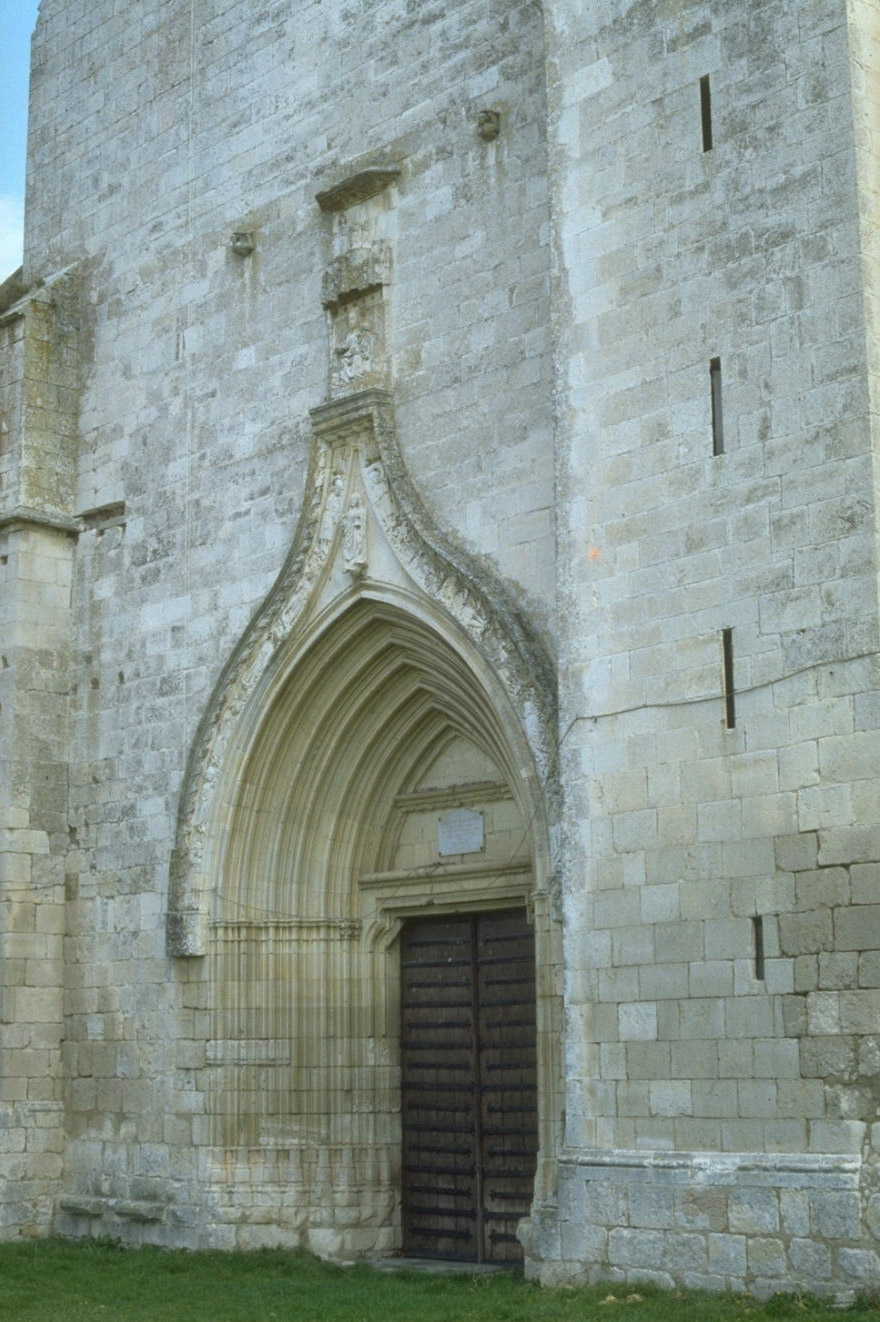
380,686
342,733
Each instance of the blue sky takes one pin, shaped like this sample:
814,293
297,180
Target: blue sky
17,18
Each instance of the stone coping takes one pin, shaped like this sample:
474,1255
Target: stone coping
841,1168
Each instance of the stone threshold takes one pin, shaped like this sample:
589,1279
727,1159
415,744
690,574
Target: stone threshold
442,1266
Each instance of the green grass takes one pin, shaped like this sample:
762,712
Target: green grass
96,1281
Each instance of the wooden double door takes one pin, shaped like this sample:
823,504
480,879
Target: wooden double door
469,1085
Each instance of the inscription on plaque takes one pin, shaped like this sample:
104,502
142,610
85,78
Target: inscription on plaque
460,831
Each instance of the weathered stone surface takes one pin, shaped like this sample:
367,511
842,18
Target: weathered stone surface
83,1206
423,416
138,1211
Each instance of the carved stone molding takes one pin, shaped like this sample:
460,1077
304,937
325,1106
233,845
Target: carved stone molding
357,187
23,516
353,294
357,271
363,532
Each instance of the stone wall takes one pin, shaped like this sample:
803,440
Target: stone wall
718,640
604,275
155,138
39,384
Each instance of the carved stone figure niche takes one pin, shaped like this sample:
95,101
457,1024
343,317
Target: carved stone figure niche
357,343
353,294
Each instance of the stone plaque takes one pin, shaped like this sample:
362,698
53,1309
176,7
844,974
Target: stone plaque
460,831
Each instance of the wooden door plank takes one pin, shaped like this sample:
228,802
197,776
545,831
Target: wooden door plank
469,1085
507,1077
438,1090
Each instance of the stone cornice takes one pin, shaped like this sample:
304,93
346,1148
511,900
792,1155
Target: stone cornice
357,187
26,516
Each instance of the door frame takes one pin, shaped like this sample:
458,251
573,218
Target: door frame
475,889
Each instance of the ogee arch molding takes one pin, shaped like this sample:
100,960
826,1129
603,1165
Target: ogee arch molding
389,551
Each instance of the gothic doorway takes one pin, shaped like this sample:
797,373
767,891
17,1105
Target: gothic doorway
468,1084
379,748
380,783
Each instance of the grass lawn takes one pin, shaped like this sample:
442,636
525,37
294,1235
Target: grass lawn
57,1281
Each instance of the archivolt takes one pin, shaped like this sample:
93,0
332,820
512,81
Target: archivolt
349,728
357,734
310,718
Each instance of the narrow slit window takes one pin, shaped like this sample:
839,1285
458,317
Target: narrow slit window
706,112
758,932
717,417
729,692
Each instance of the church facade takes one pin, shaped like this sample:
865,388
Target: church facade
439,702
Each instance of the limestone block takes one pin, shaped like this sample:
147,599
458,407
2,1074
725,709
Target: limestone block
836,1135
659,904
857,928
753,1211
663,981
824,806
702,1018
705,900
15,869
613,1059
864,882
823,1013
728,938
636,1248
848,845
838,971
807,933
249,1238
834,1215
686,1252
806,974
795,1213
691,1060
756,1098
828,1057
711,977
859,1011
138,1211
324,1243
869,969
650,1207
82,1205
776,1058
822,888
860,1265
779,976
766,1257
637,1020
583,1242
679,942
869,1056
727,1254
633,945
647,1059
670,1098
